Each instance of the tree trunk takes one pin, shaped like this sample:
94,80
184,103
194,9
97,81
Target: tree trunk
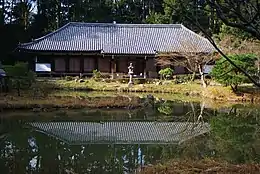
193,111
58,14
193,76
2,20
202,77
258,69
202,107
234,88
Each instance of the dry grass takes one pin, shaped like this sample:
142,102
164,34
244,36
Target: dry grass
206,166
244,93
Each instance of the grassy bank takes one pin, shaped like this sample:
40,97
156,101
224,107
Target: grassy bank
220,93
70,94
209,103
27,101
206,166
92,85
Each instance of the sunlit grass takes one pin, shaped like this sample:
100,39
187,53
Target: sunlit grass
185,91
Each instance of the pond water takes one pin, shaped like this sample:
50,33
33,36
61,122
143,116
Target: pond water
125,140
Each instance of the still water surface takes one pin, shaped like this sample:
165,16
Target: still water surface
123,141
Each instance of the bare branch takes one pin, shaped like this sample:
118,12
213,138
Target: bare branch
231,15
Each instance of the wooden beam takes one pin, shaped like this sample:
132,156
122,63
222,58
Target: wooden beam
52,65
112,65
67,64
144,66
96,63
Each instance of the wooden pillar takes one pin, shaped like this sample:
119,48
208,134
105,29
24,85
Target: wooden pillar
67,64
82,64
52,62
112,66
144,66
32,63
96,62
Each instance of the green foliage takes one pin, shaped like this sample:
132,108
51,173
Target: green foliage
166,73
20,75
235,136
157,18
166,108
175,13
227,30
96,74
226,74
183,78
19,69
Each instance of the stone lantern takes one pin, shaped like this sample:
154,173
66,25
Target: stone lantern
130,72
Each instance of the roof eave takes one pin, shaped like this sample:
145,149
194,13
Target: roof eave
62,52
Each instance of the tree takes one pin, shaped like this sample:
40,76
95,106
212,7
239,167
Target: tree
243,14
193,60
234,42
226,74
166,73
175,12
22,13
208,36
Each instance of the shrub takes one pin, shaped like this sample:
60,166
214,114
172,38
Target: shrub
224,73
20,75
166,73
96,74
183,78
165,108
18,70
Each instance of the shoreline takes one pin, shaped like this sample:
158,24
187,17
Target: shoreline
216,93
66,99
68,102
59,94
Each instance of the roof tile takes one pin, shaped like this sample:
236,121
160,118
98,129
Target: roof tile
121,39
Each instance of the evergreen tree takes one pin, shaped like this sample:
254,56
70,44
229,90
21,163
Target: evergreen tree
226,74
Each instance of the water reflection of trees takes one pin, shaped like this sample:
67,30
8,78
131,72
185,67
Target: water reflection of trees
234,136
183,111
237,137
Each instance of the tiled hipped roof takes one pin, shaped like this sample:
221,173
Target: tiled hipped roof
120,39
122,132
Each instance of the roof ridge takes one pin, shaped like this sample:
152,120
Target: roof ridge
47,35
127,25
